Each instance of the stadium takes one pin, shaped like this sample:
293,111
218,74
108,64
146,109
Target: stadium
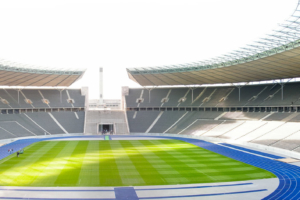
226,128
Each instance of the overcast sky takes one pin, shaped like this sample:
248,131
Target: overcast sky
120,34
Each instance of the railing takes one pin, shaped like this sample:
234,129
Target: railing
31,110
283,108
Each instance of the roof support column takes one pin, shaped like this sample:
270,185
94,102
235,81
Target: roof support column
192,95
60,91
149,89
281,83
239,93
19,95
239,87
60,96
281,91
192,88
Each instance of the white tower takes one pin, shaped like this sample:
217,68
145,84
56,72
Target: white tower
101,85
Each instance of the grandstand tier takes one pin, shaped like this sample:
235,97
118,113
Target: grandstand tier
266,95
41,98
33,112
260,116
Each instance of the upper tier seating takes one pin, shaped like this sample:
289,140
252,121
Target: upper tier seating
11,98
250,95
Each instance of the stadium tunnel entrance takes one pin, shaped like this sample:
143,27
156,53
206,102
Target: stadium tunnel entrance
106,129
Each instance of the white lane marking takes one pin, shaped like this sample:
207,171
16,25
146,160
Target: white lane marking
36,123
188,126
25,128
8,131
154,122
176,122
134,115
58,124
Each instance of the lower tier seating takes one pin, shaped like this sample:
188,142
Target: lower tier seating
280,130
40,123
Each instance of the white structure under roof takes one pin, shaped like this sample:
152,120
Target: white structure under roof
13,74
104,104
101,85
276,56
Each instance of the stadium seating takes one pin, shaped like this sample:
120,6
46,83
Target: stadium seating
32,112
165,121
40,123
141,121
16,99
172,110
250,95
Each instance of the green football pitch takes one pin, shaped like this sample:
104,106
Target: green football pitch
121,163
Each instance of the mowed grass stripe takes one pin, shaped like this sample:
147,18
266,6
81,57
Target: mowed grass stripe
187,173
185,170
108,168
7,165
57,160
126,168
42,160
121,163
16,171
142,165
229,166
218,168
89,172
168,171
69,175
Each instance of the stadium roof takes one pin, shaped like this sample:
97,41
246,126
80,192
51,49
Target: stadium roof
13,74
277,56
